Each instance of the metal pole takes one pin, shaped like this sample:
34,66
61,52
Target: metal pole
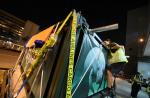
41,85
105,28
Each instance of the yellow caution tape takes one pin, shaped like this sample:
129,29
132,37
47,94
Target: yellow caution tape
49,43
71,56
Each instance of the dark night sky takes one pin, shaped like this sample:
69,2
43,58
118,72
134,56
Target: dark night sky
97,13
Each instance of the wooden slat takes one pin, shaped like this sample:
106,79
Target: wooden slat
3,84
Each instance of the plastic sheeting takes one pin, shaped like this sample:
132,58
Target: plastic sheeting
89,69
43,35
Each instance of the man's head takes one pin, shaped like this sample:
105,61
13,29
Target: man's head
139,74
107,41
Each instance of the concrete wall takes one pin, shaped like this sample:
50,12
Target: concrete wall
147,45
30,29
137,24
149,17
136,27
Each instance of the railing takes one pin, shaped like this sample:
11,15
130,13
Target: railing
10,45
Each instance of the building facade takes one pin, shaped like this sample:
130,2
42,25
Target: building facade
13,30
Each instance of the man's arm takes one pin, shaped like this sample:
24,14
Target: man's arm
115,46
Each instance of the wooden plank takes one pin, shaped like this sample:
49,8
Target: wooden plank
3,84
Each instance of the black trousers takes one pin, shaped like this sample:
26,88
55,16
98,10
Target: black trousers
135,89
116,67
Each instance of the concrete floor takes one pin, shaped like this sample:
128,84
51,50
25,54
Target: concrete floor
123,90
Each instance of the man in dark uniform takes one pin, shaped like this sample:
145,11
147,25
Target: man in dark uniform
136,85
148,89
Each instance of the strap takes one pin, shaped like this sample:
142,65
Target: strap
95,35
71,56
41,84
49,43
